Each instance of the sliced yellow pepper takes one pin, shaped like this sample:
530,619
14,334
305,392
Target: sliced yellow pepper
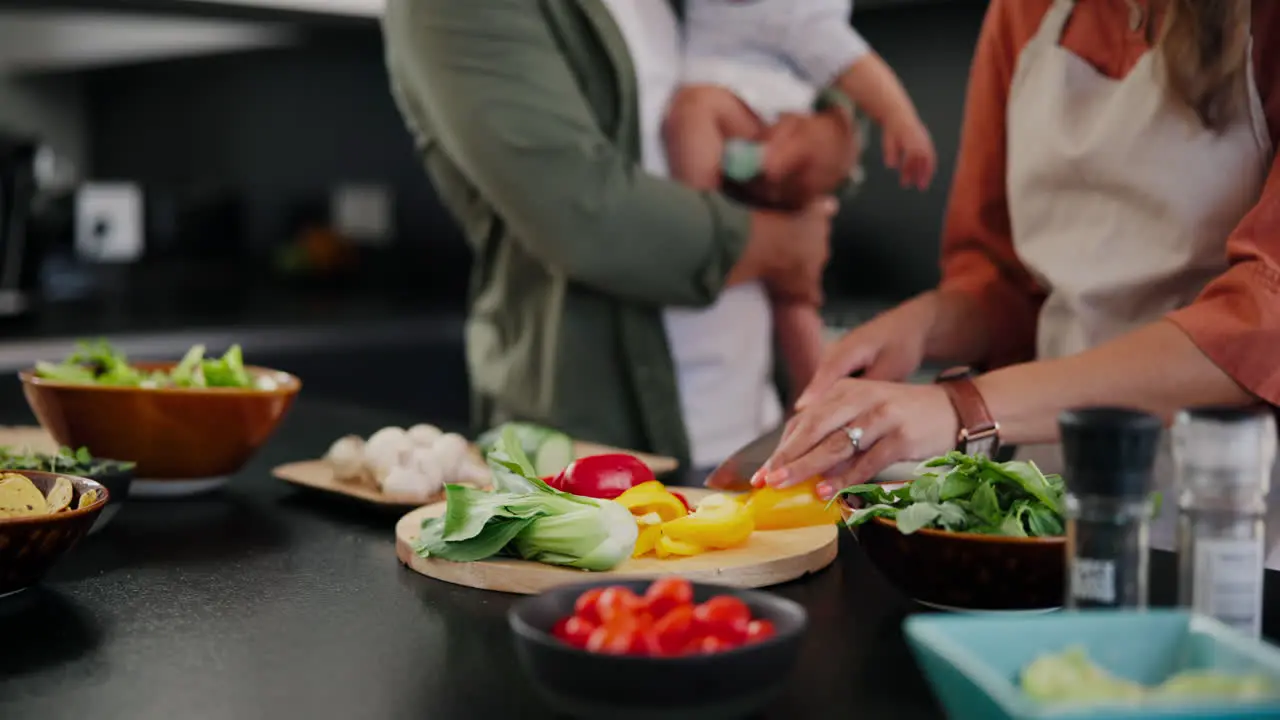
647,540
793,507
719,523
669,546
652,497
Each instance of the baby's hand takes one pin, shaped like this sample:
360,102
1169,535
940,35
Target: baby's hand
909,150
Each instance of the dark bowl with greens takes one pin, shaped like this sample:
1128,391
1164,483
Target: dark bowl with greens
967,534
115,475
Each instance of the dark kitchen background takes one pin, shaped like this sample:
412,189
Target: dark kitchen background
237,153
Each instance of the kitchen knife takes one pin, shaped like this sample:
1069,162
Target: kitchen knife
735,473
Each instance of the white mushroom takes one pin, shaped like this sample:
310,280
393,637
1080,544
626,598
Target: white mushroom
408,483
386,449
346,457
424,435
451,451
473,472
426,463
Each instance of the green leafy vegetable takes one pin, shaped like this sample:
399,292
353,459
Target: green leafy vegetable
98,363
966,493
526,518
548,451
66,461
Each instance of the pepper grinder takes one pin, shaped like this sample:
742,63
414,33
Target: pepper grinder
1109,456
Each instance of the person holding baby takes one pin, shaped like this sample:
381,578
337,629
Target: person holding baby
648,188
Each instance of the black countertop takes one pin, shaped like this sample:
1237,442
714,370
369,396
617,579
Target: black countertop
264,601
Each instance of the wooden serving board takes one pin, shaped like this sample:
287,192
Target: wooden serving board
769,558
318,475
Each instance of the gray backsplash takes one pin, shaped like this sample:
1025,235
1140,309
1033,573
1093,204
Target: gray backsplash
280,127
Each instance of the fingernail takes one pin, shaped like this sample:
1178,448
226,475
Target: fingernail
777,477
825,491
757,480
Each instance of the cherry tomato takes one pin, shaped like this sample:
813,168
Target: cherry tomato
617,602
587,605
673,632
725,617
642,643
574,631
666,594
709,645
758,630
613,638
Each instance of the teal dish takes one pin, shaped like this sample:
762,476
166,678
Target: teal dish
974,662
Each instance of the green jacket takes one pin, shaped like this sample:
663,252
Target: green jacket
524,112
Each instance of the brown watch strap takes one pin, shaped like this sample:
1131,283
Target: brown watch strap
979,432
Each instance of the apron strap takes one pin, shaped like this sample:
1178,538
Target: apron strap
1055,22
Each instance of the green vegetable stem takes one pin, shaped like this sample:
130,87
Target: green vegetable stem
524,517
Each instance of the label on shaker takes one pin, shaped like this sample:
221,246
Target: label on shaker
1228,582
1093,581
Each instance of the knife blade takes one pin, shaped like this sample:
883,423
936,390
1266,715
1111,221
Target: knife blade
735,472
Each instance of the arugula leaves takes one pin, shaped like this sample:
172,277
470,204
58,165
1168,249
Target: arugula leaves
966,493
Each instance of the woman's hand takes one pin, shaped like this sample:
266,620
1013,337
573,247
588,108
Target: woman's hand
890,347
897,422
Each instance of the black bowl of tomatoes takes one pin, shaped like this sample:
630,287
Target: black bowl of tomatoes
666,649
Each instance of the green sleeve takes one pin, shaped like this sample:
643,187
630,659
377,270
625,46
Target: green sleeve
503,104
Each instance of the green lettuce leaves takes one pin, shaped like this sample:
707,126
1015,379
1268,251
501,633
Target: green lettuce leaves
967,493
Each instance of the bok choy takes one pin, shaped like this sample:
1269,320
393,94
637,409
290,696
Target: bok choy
526,518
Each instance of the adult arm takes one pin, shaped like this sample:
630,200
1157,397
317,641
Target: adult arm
505,107
1218,350
988,302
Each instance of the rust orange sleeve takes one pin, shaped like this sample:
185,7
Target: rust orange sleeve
977,242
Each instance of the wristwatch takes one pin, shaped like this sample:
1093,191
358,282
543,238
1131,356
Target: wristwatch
979,432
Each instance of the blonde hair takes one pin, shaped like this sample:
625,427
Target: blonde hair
1205,45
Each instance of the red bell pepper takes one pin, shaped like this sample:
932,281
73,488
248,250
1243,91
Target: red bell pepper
603,476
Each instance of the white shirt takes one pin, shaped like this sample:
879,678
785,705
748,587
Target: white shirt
724,353
775,55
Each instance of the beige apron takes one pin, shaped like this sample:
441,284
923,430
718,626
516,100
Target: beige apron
1120,201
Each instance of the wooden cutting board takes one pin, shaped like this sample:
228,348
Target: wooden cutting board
769,558
318,475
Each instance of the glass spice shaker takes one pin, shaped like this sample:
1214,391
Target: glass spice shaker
1109,456
1223,459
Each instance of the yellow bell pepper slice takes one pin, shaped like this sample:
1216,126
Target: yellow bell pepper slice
720,523
647,540
652,497
668,547
794,507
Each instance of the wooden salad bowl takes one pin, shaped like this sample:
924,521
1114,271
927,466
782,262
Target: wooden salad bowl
170,433
968,571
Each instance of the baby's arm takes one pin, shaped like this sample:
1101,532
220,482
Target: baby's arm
821,42
800,333
876,90
695,131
